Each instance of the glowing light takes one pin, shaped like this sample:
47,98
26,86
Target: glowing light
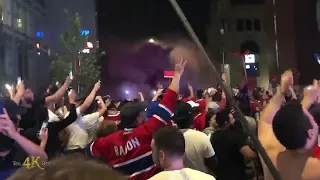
127,92
57,83
70,75
86,51
85,32
38,45
19,80
154,92
250,58
89,45
19,23
39,53
39,34
151,40
8,87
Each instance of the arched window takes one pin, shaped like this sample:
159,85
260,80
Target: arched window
250,46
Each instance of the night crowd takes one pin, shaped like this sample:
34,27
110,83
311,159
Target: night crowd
61,136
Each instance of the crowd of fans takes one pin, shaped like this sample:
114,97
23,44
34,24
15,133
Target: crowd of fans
62,136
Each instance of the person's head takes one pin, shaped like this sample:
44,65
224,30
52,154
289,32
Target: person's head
112,108
294,127
14,113
225,119
72,167
132,114
168,146
28,96
106,128
200,94
183,115
210,119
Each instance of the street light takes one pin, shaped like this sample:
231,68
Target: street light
127,92
151,40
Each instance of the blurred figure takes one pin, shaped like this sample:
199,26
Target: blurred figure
106,128
231,148
168,148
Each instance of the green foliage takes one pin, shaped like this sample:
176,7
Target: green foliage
73,44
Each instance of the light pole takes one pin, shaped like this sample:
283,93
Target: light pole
223,55
275,32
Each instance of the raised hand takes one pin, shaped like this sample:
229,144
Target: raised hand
72,96
97,86
7,127
310,94
180,65
68,81
44,134
286,81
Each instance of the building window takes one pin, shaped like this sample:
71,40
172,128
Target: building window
19,23
248,25
257,25
240,25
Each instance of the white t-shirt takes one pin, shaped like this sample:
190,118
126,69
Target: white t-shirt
198,148
78,135
91,122
183,174
52,116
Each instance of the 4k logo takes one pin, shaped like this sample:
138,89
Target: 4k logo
32,162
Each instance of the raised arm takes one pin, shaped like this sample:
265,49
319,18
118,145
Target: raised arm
60,93
8,128
85,105
141,96
102,105
265,131
19,92
60,125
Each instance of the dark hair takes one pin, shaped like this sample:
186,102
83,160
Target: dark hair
208,117
291,125
170,140
51,90
92,108
200,94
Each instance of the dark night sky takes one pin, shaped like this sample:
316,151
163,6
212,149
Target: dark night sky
133,20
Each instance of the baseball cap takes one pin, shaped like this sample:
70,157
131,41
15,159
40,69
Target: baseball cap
182,111
213,106
193,104
222,117
130,111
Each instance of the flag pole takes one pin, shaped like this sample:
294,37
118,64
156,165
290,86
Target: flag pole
228,91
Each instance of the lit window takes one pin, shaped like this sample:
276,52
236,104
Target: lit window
250,58
19,23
